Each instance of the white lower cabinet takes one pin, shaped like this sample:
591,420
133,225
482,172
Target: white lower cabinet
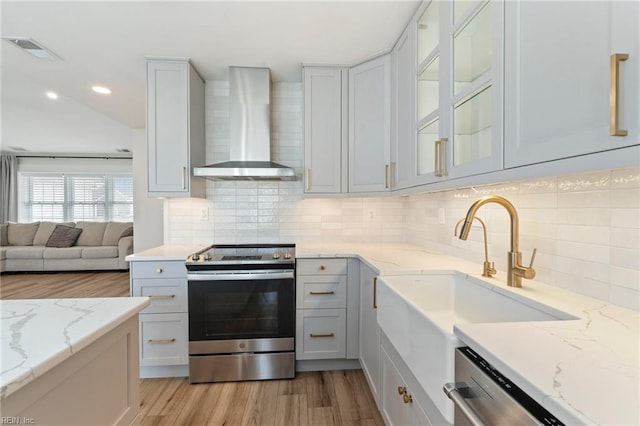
327,300
164,339
164,324
320,333
369,330
401,399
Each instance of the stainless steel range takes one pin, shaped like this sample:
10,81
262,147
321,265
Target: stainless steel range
241,312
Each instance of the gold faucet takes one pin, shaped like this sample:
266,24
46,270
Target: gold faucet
515,270
488,269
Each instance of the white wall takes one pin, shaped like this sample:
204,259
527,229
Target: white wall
148,213
586,227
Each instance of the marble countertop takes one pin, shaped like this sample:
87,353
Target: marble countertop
584,371
166,252
39,334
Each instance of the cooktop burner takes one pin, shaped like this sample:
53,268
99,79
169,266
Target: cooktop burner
242,254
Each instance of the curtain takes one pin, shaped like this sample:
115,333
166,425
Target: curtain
8,188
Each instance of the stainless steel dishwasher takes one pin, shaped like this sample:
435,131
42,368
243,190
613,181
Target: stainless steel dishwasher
483,396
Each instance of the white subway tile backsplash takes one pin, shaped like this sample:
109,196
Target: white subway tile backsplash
625,198
584,234
625,277
625,297
586,226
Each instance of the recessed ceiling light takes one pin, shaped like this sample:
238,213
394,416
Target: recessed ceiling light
52,95
101,90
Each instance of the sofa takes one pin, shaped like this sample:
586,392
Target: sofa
96,246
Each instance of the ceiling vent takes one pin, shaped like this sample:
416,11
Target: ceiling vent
34,48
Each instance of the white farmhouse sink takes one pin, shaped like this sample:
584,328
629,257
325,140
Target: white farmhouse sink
418,312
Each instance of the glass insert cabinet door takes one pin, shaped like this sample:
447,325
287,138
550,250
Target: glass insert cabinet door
472,81
429,81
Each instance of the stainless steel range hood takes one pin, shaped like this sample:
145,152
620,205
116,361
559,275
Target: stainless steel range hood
249,130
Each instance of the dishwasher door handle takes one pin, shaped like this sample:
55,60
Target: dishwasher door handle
452,390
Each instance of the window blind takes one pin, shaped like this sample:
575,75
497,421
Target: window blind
72,198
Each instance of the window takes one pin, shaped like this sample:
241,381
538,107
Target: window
73,198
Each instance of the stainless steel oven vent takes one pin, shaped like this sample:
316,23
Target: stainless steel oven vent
250,130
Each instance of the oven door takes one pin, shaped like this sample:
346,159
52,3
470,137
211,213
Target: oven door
238,306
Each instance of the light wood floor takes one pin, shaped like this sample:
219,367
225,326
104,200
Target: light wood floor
312,398
63,284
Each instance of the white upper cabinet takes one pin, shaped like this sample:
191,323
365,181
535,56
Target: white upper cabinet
175,129
369,126
402,110
560,78
325,129
459,89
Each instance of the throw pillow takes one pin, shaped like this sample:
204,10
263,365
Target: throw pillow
63,236
21,234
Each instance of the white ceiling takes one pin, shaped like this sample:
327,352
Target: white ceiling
106,43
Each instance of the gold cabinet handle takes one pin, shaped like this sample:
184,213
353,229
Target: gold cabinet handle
375,296
322,292
307,178
184,178
443,156
315,335
386,176
161,296
407,399
614,122
158,270
402,390
322,267
160,341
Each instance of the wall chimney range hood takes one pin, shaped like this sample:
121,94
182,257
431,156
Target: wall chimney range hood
249,131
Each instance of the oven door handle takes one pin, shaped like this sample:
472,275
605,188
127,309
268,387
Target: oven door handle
240,276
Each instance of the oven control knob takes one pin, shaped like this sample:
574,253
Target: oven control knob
207,256
287,255
195,257
276,255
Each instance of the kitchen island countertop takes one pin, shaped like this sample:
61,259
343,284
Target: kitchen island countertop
39,334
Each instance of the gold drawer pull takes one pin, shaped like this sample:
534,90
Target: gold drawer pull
158,270
161,296
314,335
160,341
322,267
407,398
614,90
402,390
322,292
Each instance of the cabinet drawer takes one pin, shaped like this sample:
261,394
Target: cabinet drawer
167,294
163,269
164,339
320,333
321,291
321,267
